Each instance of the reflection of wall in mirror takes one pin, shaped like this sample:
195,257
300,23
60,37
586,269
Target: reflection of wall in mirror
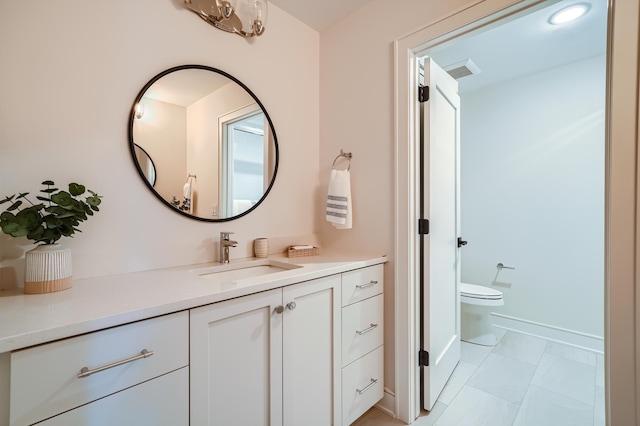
184,140
162,133
203,143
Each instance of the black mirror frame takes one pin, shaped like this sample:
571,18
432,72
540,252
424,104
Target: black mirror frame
155,171
141,173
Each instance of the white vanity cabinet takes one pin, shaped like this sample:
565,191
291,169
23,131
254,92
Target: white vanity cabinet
130,374
268,358
306,350
362,341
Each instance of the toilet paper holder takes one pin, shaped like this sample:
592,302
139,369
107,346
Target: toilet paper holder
501,266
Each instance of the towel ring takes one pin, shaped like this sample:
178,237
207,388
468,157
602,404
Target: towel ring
346,155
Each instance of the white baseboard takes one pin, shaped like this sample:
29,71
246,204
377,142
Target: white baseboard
569,337
388,403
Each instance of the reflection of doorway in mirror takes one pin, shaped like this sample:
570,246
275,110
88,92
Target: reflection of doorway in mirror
146,164
242,160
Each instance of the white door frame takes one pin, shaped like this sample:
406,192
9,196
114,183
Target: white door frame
622,242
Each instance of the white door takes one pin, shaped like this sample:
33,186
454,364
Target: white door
440,254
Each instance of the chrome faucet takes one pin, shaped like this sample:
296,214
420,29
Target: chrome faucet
225,243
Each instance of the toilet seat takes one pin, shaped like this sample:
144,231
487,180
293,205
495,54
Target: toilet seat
479,292
479,295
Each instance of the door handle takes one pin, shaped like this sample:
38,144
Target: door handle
462,242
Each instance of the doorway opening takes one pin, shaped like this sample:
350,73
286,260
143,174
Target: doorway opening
437,43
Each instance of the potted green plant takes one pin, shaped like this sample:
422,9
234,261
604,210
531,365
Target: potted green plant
57,214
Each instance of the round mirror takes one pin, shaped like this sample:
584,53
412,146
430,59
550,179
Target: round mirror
213,145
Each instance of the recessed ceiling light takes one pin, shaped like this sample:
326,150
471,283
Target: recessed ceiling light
570,13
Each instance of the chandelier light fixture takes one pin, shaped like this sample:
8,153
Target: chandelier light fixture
243,17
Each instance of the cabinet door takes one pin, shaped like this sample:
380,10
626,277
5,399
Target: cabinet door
162,401
236,362
311,352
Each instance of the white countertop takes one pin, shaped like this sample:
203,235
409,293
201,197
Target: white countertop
96,303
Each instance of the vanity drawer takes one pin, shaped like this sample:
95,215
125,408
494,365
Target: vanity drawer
45,379
163,401
362,283
362,328
362,385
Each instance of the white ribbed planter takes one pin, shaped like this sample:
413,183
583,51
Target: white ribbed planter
47,269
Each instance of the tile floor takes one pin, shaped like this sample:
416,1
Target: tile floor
522,381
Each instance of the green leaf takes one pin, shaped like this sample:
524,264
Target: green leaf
76,189
77,206
65,215
10,227
7,217
49,190
7,199
43,198
29,218
20,232
14,229
48,182
51,220
50,236
94,201
36,233
14,206
63,199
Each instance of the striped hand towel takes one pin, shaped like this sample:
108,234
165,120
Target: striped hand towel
339,199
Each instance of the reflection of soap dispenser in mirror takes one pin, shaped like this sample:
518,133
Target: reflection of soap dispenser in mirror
261,247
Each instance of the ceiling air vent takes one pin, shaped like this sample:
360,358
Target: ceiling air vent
462,69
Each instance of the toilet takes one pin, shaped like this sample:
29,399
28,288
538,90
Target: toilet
477,303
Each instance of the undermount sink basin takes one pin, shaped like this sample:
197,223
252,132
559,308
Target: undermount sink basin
249,269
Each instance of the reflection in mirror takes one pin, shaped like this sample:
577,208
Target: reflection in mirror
146,164
213,145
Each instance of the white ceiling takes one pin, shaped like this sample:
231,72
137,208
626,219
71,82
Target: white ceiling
521,46
526,45
185,87
319,14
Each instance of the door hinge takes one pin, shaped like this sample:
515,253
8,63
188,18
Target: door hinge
423,93
423,226
423,358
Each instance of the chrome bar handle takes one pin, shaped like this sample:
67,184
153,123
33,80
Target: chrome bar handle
369,284
85,372
366,388
501,266
368,329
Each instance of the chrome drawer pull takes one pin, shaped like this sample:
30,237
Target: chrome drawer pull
85,372
366,330
369,284
373,382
